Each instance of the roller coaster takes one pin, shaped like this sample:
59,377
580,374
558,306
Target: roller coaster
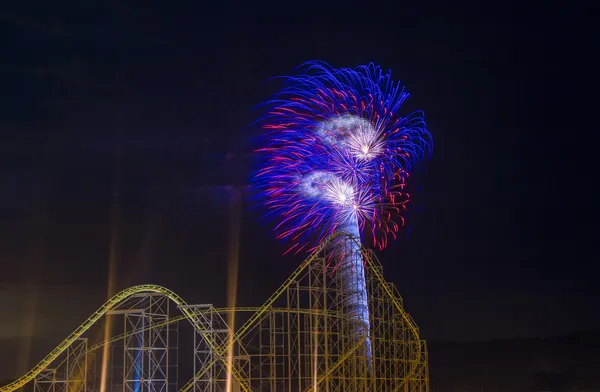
301,339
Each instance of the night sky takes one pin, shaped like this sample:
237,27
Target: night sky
126,124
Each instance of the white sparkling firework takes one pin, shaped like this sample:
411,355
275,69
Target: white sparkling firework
354,134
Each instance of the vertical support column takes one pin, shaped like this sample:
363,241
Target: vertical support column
295,305
92,371
423,371
116,367
317,294
324,274
261,360
156,344
272,352
291,365
133,350
210,330
173,353
307,332
146,344
76,366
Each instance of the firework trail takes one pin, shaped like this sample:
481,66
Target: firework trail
337,156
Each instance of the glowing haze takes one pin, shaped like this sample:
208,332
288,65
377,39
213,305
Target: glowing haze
338,152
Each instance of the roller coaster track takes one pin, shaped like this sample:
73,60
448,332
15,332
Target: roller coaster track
87,324
367,255
192,316
268,304
177,319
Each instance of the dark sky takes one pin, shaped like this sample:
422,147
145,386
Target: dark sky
128,120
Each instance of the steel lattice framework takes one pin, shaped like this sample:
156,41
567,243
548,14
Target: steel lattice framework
303,338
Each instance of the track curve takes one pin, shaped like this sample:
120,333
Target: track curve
369,259
108,305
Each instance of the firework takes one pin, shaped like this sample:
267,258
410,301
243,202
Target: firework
337,156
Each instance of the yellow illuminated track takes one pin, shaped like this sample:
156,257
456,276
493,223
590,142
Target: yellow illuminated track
108,305
400,356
